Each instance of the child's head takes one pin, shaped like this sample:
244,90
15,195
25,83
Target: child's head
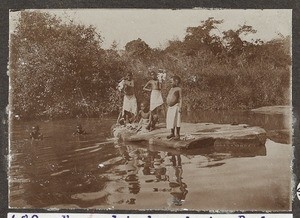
144,106
122,121
35,128
176,80
129,76
153,75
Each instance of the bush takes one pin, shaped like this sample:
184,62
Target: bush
59,69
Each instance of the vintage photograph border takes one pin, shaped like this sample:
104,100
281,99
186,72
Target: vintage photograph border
7,5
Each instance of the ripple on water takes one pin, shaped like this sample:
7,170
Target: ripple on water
92,172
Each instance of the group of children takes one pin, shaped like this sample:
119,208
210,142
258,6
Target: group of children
148,116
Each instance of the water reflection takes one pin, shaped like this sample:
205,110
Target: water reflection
178,187
91,171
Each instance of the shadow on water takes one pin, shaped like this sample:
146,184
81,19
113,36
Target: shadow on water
92,171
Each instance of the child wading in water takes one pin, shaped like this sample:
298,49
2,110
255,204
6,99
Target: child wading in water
156,99
174,101
145,118
79,130
35,134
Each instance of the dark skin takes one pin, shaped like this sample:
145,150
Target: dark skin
128,90
128,85
175,98
155,85
79,131
35,134
144,113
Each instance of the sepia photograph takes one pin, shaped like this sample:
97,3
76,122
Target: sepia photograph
150,109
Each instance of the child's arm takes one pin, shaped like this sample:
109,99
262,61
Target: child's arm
159,85
180,99
137,117
145,87
139,125
150,119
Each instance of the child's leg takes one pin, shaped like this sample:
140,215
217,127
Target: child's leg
172,134
178,121
153,120
126,117
177,133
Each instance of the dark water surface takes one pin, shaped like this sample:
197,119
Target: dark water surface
93,171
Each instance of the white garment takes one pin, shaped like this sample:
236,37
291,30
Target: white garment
155,99
173,117
130,104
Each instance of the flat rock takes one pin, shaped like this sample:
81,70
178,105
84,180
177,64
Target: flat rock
196,135
278,109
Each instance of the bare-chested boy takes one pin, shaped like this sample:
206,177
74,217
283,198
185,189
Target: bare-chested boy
156,99
174,101
144,117
129,103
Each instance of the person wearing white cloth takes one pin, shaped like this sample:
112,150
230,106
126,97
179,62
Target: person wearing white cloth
156,99
129,103
174,101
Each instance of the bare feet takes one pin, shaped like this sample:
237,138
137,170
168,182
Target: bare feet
177,137
170,136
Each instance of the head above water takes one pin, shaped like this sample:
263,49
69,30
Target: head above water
36,128
129,76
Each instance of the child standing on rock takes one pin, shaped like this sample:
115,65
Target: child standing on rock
156,99
129,110
174,102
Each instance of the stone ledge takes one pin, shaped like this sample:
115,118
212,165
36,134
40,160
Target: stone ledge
202,135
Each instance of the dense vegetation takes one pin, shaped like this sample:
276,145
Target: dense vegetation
59,69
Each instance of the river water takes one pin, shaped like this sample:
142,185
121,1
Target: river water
94,171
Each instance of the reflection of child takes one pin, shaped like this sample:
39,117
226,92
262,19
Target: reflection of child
174,101
156,99
179,188
79,130
145,119
35,133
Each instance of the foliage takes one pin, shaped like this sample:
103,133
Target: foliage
59,69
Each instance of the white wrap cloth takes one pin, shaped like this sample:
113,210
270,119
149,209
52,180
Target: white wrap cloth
173,117
130,104
155,99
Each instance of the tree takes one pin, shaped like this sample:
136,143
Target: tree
58,69
233,39
139,49
200,38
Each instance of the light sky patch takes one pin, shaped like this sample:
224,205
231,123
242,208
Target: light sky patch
157,26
